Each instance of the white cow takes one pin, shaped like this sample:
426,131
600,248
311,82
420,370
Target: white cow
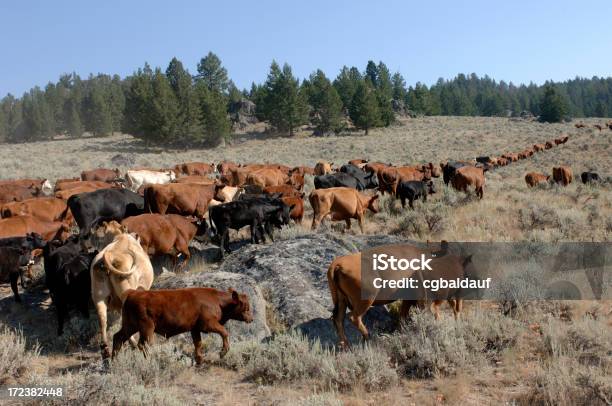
137,178
122,265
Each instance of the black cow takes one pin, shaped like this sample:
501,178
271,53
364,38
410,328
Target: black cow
67,277
448,170
413,190
91,208
589,177
258,213
337,179
366,180
484,160
15,260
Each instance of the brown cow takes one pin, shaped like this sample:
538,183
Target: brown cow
375,167
539,147
598,126
534,178
176,311
360,162
561,140
580,125
303,170
179,198
267,177
467,177
548,145
165,234
323,168
235,176
297,207
522,155
344,280
343,204
80,183
194,168
22,225
563,175
390,177
502,161
101,174
511,157
224,167
65,194
200,180
38,185
17,193
225,193
43,208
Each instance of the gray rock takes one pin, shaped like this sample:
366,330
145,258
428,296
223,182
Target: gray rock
239,331
293,276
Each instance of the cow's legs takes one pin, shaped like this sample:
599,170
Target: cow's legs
197,344
216,327
435,308
411,203
359,309
361,222
317,218
62,310
14,276
119,339
348,224
101,310
147,332
182,247
403,200
338,317
458,306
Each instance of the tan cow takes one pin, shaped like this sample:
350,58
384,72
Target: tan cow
343,204
323,168
563,175
534,178
121,266
267,177
44,208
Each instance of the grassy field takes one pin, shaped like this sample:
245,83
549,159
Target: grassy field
549,353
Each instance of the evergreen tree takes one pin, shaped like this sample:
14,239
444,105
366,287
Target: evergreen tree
188,125
384,94
371,73
213,115
98,118
37,116
212,73
116,102
12,117
346,84
364,108
399,87
284,104
552,106
326,113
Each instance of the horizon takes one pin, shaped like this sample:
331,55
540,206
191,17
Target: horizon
475,37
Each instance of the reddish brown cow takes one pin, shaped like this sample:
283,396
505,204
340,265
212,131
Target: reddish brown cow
224,167
42,185
303,170
22,225
534,178
502,161
43,208
200,180
522,155
469,177
390,177
168,234
538,147
16,193
563,175
341,203
375,167
194,168
297,204
580,125
235,176
179,198
561,140
511,157
65,194
101,174
172,312
269,177
548,145
360,162
598,126
79,183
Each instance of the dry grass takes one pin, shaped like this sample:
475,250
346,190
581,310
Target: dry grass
545,353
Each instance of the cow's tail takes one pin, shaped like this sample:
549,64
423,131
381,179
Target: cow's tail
334,288
149,201
109,263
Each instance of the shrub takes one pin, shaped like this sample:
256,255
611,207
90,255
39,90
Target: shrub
16,360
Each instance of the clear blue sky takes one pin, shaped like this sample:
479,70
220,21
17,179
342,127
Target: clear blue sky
513,40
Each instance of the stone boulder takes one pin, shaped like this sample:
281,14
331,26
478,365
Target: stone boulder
292,275
239,331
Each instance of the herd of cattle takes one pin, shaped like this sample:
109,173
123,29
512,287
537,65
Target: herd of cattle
123,220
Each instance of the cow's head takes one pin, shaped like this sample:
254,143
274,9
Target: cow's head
431,189
371,181
106,233
33,241
240,308
46,187
373,205
435,171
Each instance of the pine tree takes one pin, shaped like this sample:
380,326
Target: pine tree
326,113
188,124
98,118
384,94
116,102
212,73
346,84
364,108
399,87
213,115
552,106
284,105
37,116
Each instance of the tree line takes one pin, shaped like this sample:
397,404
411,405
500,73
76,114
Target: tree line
174,107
